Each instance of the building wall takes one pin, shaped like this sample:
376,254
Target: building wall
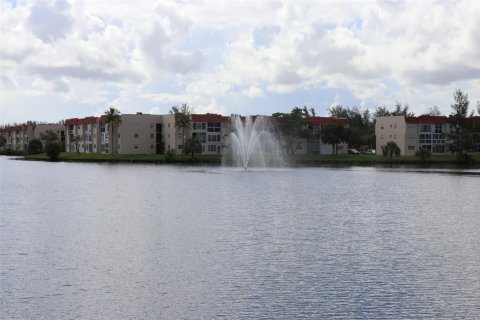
392,128
18,137
87,129
172,141
137,134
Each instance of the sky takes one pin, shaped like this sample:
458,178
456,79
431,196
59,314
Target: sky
63,59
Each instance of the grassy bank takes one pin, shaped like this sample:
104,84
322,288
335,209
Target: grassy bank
380,160
129,158
298,160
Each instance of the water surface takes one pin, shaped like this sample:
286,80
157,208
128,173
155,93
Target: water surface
102,241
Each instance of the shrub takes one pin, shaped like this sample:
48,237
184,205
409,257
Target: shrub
35,147
423,154
53,149
169,155
390,149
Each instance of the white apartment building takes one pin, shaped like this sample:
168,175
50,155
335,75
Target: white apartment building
413,133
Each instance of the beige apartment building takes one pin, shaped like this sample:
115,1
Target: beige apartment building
18,137
413,133
82,135
140,134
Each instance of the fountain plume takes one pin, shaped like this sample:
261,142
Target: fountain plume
252,142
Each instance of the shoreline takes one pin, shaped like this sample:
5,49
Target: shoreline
296,161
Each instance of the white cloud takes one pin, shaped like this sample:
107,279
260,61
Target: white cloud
253,92
94,52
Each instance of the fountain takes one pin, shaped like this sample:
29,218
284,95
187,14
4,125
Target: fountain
252,142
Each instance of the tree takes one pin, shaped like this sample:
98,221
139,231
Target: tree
361,126
182,121
333,133
381,112
478,107
35,146
53,149
402,110
192,146
48,136
113,118
291,128
76,141
3,141
433,111
390,149
460,135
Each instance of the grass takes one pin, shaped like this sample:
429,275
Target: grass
297,160
133,158
374,159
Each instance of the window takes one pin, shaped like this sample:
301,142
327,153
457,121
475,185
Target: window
411,148
412,126
135,146
425,138
151,135
213,127
381,137
199,126
438,128
382,127
200,136
135,135
395,136
213,138
212,148
395,126
411,137
426,128
169,124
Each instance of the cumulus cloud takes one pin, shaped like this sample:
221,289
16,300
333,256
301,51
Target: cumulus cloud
376,51
253,92
50,22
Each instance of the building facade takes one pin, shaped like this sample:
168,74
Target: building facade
18,137
413,133
313,144
156,134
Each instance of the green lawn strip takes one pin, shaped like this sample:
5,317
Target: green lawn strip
132,158
298,160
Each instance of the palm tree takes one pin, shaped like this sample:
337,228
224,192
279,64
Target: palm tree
390,149
183,121
113,118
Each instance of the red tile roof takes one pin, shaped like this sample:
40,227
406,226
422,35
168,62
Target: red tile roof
325,120
209,117
427,119
77,121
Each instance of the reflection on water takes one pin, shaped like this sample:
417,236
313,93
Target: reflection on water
99,241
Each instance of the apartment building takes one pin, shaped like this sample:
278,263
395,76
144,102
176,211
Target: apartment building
413,133
154,134
313,144
136,134
18,137
140,134
211,130
83,135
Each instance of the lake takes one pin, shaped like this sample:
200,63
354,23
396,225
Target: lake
119,241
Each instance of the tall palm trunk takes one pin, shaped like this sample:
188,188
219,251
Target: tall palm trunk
183,141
